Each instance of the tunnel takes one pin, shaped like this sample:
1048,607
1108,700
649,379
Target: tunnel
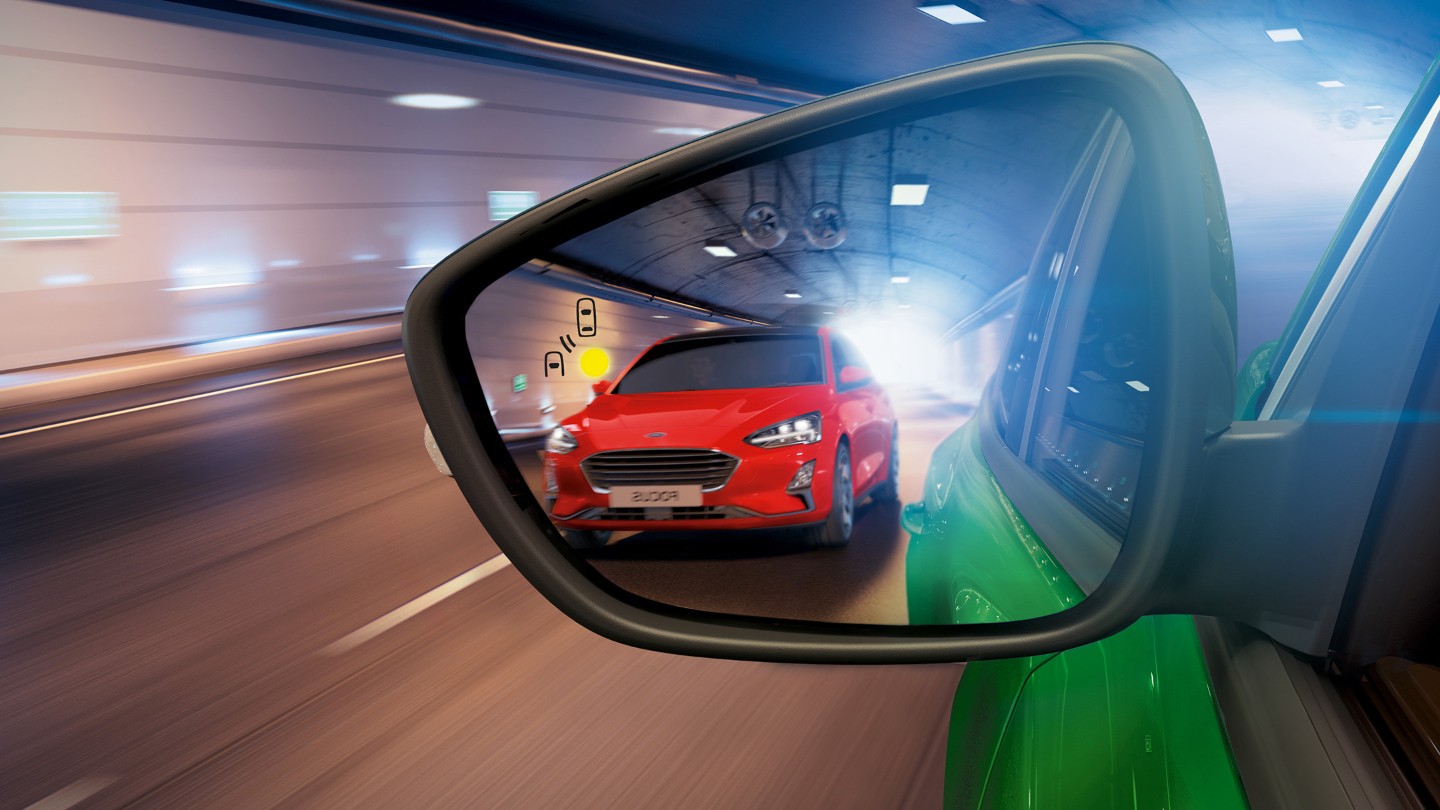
233,577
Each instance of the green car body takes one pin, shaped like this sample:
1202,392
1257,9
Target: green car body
1129,721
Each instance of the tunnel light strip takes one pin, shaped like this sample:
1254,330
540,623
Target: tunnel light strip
215,286
194,397
415,606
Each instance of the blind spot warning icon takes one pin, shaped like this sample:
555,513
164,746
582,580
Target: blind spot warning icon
554,361
585,317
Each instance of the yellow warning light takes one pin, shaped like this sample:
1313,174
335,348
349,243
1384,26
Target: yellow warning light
594,362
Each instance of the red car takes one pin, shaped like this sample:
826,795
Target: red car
756,427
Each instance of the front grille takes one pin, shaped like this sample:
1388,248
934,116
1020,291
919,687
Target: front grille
659,467
668,513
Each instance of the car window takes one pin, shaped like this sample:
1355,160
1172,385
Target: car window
1036,304
1092,410
1076,385
732,362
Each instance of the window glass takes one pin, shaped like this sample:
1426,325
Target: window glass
699,364
1037,304
1091,410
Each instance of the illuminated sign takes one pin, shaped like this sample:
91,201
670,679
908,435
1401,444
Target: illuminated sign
34,215
518,383
506,204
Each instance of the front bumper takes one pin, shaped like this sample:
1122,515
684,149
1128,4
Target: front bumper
756,495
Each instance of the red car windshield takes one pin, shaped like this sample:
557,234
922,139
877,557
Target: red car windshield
711,364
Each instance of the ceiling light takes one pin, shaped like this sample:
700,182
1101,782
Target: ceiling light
792,294
434,101
1331,83
718,249
1283,34
899,279
1137,385
1374,106
689,132
661,317
909,189
961,13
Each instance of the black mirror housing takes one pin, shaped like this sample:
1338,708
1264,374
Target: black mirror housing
1193,325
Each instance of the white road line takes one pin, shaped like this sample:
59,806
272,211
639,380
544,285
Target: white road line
415,606
139,408
73,794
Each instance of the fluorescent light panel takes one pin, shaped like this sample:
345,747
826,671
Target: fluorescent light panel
909,189
65,280
792,294
718,249
951,13
1283,34
1331,83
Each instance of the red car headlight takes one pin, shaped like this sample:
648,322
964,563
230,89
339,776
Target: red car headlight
800,430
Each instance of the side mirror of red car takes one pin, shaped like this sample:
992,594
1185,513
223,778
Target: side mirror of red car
854,375
600,387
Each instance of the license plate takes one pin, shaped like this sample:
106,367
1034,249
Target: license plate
647,497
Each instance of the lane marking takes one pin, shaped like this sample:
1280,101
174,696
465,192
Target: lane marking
415,606
194,397
74,793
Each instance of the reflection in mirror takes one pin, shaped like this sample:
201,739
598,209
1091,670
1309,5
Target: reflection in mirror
722,400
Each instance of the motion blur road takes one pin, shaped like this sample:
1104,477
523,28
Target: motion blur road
189,599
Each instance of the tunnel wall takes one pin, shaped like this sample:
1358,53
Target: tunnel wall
261,179
521,318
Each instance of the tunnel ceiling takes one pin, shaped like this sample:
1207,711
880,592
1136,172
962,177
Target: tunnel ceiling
994,173
829,46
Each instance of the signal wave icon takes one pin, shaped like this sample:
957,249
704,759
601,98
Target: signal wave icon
567,343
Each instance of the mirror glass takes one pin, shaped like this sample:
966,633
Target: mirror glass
795,353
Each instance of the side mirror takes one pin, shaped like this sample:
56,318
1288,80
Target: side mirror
1060,201
853,375
600,386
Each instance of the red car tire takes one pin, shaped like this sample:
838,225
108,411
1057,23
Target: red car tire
836,530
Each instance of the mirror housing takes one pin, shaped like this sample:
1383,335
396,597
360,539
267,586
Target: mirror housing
600,386
853,375
1191,393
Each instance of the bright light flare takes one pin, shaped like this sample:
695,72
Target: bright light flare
899,351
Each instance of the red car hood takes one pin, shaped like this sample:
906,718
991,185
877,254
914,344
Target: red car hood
616,420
